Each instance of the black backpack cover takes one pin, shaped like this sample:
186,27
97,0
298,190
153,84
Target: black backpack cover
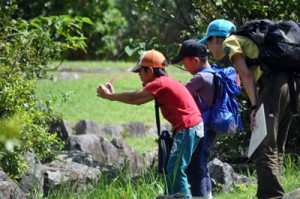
279,50
278,43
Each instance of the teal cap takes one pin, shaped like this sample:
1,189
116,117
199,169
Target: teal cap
219,28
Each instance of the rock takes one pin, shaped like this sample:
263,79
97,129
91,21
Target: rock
8,188
62,128
90,144
293,195
135,129
88,127
34,178
113,131
77,156
69,175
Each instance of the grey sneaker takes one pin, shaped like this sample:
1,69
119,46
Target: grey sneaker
173,196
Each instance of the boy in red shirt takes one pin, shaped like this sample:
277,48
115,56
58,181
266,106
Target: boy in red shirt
177,106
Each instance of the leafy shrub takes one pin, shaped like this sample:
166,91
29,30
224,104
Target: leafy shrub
25,49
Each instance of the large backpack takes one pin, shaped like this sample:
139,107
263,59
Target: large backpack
224,117
279,50
278,44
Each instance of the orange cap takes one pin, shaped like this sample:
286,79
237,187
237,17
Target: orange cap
150,58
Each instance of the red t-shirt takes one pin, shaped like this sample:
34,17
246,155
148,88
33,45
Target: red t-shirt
175,102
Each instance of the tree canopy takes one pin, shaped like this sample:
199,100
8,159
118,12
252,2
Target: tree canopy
142,24
34,32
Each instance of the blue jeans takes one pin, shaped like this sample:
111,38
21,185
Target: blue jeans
197,171
185,143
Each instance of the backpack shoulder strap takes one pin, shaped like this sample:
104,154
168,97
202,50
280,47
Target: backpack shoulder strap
213,70
208,70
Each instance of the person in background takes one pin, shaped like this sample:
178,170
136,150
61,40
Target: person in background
268,157
176,105
195,60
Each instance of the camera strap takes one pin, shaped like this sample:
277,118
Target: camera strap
156,105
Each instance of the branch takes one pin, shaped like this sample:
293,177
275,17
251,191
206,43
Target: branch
203,11
232,15
56,67
182,13
172,19
170,16
20,56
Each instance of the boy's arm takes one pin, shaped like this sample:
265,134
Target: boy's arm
138,97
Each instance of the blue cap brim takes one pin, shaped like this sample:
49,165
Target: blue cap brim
203,40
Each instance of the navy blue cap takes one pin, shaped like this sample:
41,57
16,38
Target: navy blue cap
190,48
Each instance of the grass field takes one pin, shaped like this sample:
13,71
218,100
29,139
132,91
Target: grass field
74,93
149,184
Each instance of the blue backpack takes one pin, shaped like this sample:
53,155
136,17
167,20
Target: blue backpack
224,117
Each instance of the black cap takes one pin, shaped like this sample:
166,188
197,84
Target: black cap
190,48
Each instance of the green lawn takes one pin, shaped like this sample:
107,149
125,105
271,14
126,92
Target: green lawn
149,184
76,98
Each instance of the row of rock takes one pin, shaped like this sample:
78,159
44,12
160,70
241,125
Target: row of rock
89,154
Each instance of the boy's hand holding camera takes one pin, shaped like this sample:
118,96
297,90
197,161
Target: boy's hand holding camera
104,90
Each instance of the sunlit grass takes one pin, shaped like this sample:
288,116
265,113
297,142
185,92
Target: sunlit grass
146,185
290,181
142,145
93,64
76,97
149,184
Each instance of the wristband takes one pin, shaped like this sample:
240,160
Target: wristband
253,107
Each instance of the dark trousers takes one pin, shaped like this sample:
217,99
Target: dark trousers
268,157
197,171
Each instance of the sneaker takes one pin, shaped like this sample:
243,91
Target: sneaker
173,196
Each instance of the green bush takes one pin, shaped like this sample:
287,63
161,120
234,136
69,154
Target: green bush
26,47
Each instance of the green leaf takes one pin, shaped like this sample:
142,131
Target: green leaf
219,2
130,51
87,20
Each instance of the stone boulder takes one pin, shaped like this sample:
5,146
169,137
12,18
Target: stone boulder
8,188
93,127
135,129
113,131
89,143
88,127
223,173
62,128
293,195
77,156
34,177
70,175
126,156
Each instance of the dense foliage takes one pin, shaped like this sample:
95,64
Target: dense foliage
241,11
125,27
25,49
34,32
103,38
192,18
